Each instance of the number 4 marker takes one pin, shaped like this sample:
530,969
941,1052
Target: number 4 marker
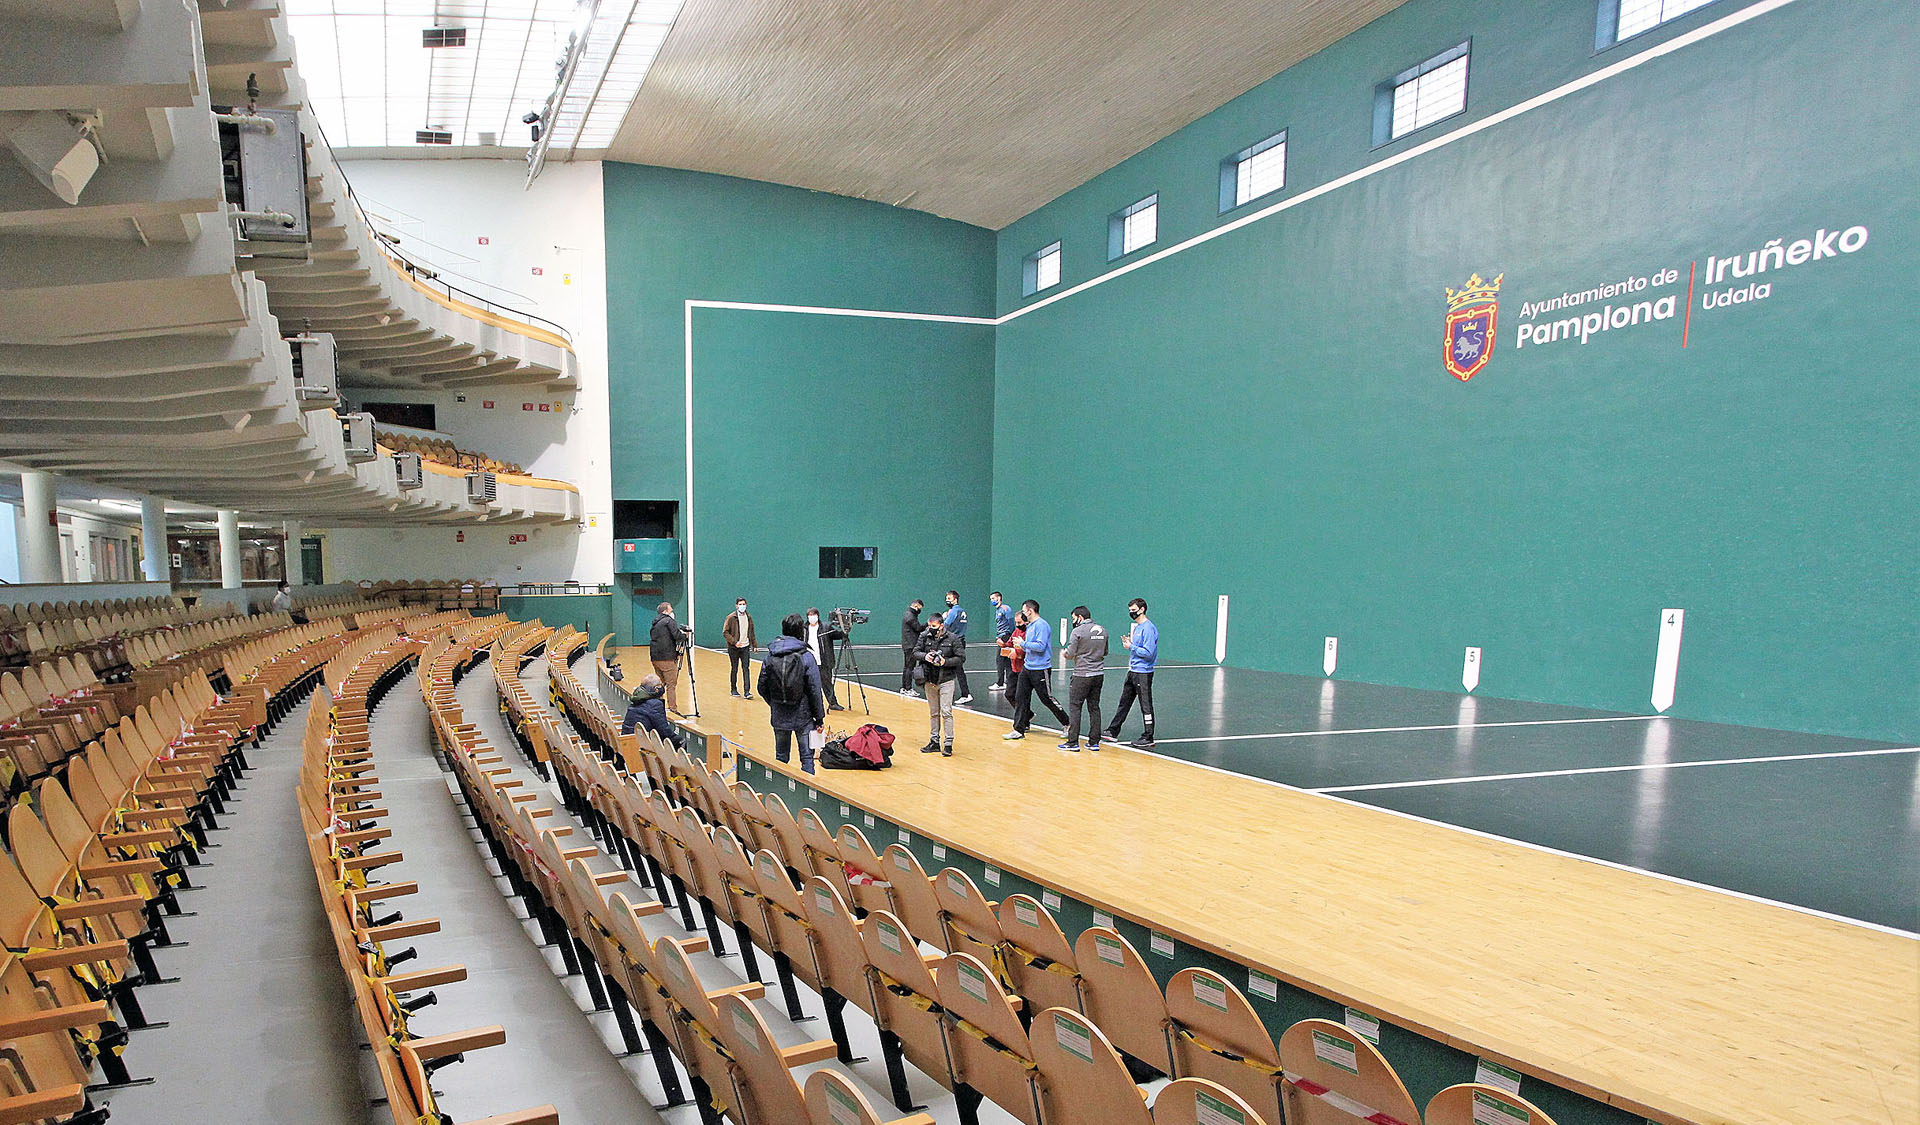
1666,664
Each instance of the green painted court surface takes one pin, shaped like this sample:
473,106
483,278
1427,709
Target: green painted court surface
1778,815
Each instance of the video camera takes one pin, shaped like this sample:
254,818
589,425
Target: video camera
844,618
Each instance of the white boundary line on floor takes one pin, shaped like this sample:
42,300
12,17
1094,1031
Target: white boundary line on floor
1531,846
1400,730
1636,767
1122,748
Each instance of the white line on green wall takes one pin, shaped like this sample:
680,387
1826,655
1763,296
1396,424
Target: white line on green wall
1678,42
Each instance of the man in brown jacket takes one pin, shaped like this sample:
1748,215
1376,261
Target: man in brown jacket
741,642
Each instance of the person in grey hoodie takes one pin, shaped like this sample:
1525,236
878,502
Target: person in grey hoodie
1086,655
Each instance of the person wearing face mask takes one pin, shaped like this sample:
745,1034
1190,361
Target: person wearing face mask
940,651
1037,644
956,624
663,648
1003,633
1086,659
910,628
741,642
820,638
1142,644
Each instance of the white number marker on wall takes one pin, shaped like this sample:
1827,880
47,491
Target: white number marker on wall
1666,665
1220,634
1332,659
1470,672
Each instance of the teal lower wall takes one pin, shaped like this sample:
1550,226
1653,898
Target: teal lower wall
818,431
1270,418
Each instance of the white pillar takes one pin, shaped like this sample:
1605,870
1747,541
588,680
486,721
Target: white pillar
229,549
296,565
39,534
155,563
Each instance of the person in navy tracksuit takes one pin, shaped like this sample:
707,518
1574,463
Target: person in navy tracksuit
1142,644
1003,633
956,624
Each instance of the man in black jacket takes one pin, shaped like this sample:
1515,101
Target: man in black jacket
820,637
663,648
945,657
910,628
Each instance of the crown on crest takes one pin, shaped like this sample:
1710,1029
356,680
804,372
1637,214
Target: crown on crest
1475,290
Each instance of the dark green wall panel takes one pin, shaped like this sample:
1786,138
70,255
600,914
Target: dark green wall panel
1281,429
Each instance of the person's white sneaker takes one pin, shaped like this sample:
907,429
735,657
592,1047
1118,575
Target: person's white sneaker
1012,735
909,693
963,699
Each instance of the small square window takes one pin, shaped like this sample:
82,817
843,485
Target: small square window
1133,227
1417,97
1253,172
1624,19
847,562
1041,270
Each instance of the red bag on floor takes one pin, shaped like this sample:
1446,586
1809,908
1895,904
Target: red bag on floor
872,742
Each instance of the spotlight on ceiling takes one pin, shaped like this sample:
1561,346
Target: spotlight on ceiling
58,150
532,117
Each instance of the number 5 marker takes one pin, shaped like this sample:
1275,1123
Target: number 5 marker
1666,664
1470,672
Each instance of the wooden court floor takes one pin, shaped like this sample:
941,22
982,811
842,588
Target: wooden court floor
1678,1001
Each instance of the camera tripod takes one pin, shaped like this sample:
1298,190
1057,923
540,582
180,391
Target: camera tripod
693,681
849,661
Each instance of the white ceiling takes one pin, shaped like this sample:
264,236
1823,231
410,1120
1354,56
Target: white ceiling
372,83
979,111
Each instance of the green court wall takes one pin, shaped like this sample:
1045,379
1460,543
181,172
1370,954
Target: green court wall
809,430
1266,415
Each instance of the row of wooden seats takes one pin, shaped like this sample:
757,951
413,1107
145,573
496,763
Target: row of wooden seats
457,593
90,874
343,822
702,831
101,639
445,452
22,613
812,933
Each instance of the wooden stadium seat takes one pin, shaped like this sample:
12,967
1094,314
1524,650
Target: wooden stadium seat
969,921
765,1089
832,1099
43,1076
1334,1075
913,897
862,880
905,1003
1039,958
1196,1101
67,968
1217,1035
839,955
693,1022
794,954
1471,1103
987,1046
1122,996
1086,1080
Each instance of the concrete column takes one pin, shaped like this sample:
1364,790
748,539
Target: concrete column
39,534
229,549
155,564
296,568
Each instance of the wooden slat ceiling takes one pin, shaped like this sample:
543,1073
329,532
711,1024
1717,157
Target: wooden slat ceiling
979,111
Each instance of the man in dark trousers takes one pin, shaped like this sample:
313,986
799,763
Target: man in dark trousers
790,683
956,624
738,633
644,709
663,648
910,628
1003,634
1037,644
944,658
1142,643
820,637
1086,660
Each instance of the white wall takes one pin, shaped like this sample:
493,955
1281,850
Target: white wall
9,543
441,209
78,562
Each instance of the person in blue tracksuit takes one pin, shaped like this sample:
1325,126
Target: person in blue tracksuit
956,624
1142,644
1038,645
1002,633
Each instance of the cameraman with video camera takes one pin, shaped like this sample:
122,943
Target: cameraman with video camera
820,639
664,641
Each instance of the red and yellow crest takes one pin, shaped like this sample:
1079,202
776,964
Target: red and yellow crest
1471,313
